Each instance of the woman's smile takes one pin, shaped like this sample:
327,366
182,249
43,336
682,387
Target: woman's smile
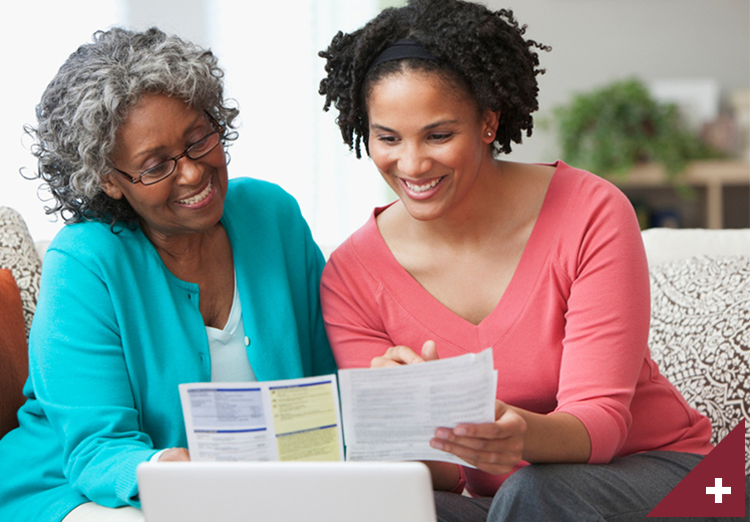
202,198
422,189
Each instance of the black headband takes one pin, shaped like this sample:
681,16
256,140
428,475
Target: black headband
404,48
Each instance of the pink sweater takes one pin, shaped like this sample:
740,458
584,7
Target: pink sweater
570,334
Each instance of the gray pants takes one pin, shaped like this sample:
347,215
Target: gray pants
625,490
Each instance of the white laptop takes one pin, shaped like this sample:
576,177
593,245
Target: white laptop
286,491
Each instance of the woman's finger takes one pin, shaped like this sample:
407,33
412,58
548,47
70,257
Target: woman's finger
494,447
501,443
497,461
429,351
175,455
396,356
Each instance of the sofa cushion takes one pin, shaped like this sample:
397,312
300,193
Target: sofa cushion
667,244
13,352
19,254
700,336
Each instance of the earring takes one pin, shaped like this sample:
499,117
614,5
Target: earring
489,133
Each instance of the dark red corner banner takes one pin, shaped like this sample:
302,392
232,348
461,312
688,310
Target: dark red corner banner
715,487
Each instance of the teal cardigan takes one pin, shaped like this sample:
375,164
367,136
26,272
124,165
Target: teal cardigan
114,334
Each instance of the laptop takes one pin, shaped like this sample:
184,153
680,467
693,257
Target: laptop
286,491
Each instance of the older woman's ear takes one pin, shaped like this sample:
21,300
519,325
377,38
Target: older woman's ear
111,189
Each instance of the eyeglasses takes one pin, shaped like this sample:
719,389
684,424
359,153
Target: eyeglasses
165,169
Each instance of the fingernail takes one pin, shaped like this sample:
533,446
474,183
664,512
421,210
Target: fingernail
460,431
442,433
436,444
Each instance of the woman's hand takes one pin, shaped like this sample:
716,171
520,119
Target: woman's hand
399,355
175,455
494,447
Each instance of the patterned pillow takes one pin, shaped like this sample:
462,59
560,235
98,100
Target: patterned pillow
700,336
17,253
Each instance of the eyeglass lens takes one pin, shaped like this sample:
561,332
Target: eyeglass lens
196,151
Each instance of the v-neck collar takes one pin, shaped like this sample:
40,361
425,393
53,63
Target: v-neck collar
432,314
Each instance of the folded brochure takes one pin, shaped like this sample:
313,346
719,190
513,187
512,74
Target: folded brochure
384,414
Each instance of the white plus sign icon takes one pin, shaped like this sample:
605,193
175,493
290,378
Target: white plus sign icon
718,491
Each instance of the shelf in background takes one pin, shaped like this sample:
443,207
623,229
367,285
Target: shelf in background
714,176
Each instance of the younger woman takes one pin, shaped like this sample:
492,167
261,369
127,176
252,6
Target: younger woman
543,263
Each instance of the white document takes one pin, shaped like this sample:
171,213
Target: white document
392,413
388,413
295,419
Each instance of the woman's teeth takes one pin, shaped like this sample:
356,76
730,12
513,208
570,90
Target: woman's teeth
423,188
200,196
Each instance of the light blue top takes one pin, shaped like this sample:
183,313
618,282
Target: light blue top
114,334
227,347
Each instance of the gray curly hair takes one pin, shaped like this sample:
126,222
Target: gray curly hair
90,96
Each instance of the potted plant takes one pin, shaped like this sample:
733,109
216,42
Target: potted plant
612,129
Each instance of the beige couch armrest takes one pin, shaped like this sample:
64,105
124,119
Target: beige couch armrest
667,244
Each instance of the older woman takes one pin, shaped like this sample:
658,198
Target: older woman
166,272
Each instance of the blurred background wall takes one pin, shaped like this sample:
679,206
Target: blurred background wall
595,42
269,51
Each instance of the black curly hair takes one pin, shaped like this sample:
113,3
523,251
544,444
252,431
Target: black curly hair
478,50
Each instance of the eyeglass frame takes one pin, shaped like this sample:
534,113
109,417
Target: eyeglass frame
186,153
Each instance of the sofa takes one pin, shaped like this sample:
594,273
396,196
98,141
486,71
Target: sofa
700,317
